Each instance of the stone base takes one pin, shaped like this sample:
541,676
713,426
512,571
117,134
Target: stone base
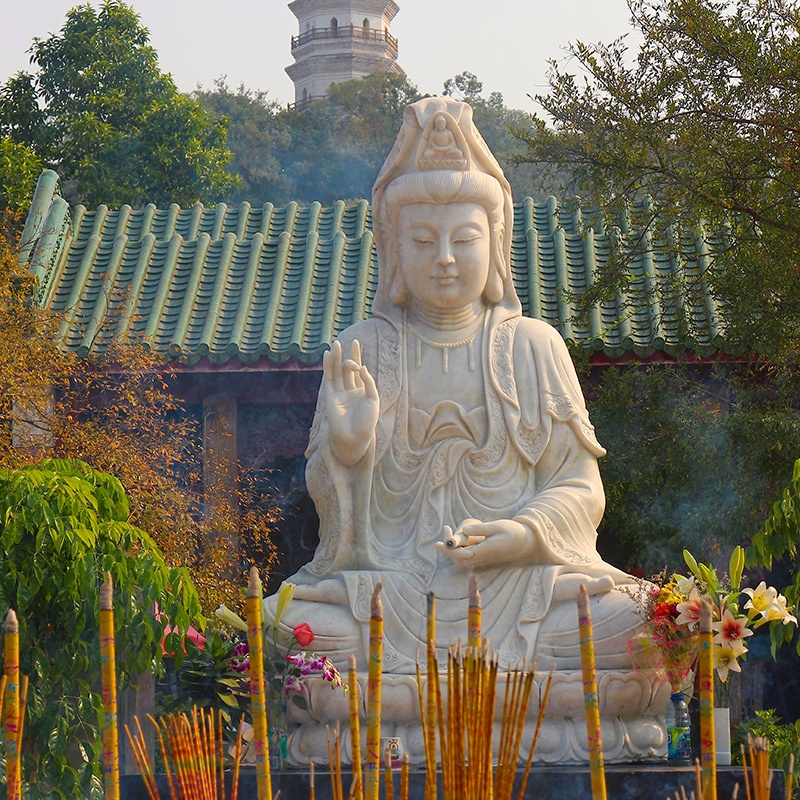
632,707
624,782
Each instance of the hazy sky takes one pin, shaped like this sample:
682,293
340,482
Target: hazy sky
506,43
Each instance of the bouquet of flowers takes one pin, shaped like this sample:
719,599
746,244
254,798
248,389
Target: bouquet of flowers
671,608
286,665
665,643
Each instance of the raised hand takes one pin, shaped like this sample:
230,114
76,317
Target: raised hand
352,403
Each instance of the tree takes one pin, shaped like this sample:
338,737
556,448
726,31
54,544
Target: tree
339,144
257,134
705,121
496,124
101,112
119,415
65,527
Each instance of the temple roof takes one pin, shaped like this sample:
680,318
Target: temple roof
277,284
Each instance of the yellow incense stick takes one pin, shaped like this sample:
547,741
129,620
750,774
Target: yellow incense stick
590,696
388,774
474,613
790,778
108,677
374,678
404,777
357,788
237,762
312,792
539,719
430,713
255,642
11,666
708,755
141,762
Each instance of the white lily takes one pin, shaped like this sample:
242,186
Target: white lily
285,595
685,585
761,599
224,614
726,659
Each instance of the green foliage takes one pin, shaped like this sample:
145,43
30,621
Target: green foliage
101,112
64,527
257,135
705,122
778,539
19,169
334,149
667,474
204,678
696,458
784,740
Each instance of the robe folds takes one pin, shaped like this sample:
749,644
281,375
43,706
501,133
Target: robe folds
530,454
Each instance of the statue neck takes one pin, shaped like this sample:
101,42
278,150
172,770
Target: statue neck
449,319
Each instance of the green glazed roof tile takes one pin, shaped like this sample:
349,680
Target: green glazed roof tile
250,282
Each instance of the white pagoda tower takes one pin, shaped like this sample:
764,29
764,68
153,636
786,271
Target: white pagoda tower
339,40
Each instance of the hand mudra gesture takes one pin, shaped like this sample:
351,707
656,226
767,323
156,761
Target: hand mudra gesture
352,403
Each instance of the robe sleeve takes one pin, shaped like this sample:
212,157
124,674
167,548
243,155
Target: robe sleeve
555,435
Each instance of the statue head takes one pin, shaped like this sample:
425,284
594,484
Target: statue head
440,157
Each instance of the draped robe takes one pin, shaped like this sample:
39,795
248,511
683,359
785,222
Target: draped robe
529,455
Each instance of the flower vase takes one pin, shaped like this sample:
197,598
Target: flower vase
278,727
722,736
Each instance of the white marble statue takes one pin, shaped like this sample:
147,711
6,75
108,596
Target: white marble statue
448,417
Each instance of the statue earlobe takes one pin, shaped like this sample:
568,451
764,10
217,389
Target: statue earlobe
398,290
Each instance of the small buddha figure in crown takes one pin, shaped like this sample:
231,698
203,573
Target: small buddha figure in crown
451,437
441,149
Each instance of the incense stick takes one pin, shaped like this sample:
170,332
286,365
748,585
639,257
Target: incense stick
356,789
108,676
255,643
11,666
474,613
430,726
374,678
590,695
790,778
708,755
539,719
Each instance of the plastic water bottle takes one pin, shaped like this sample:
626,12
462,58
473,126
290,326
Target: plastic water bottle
679,732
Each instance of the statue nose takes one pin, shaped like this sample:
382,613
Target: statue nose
445,255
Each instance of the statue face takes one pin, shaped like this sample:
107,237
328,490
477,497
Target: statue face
444,253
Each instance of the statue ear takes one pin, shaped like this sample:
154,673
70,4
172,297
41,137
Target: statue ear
493,291
398,290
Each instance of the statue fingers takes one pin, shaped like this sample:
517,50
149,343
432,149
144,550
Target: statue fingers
351,374
461,556
336,366
355,351
370,389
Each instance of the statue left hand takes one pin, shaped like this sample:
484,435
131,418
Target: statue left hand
505,543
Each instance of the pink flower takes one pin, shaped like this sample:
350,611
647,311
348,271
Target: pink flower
731,632
689,610
303,634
